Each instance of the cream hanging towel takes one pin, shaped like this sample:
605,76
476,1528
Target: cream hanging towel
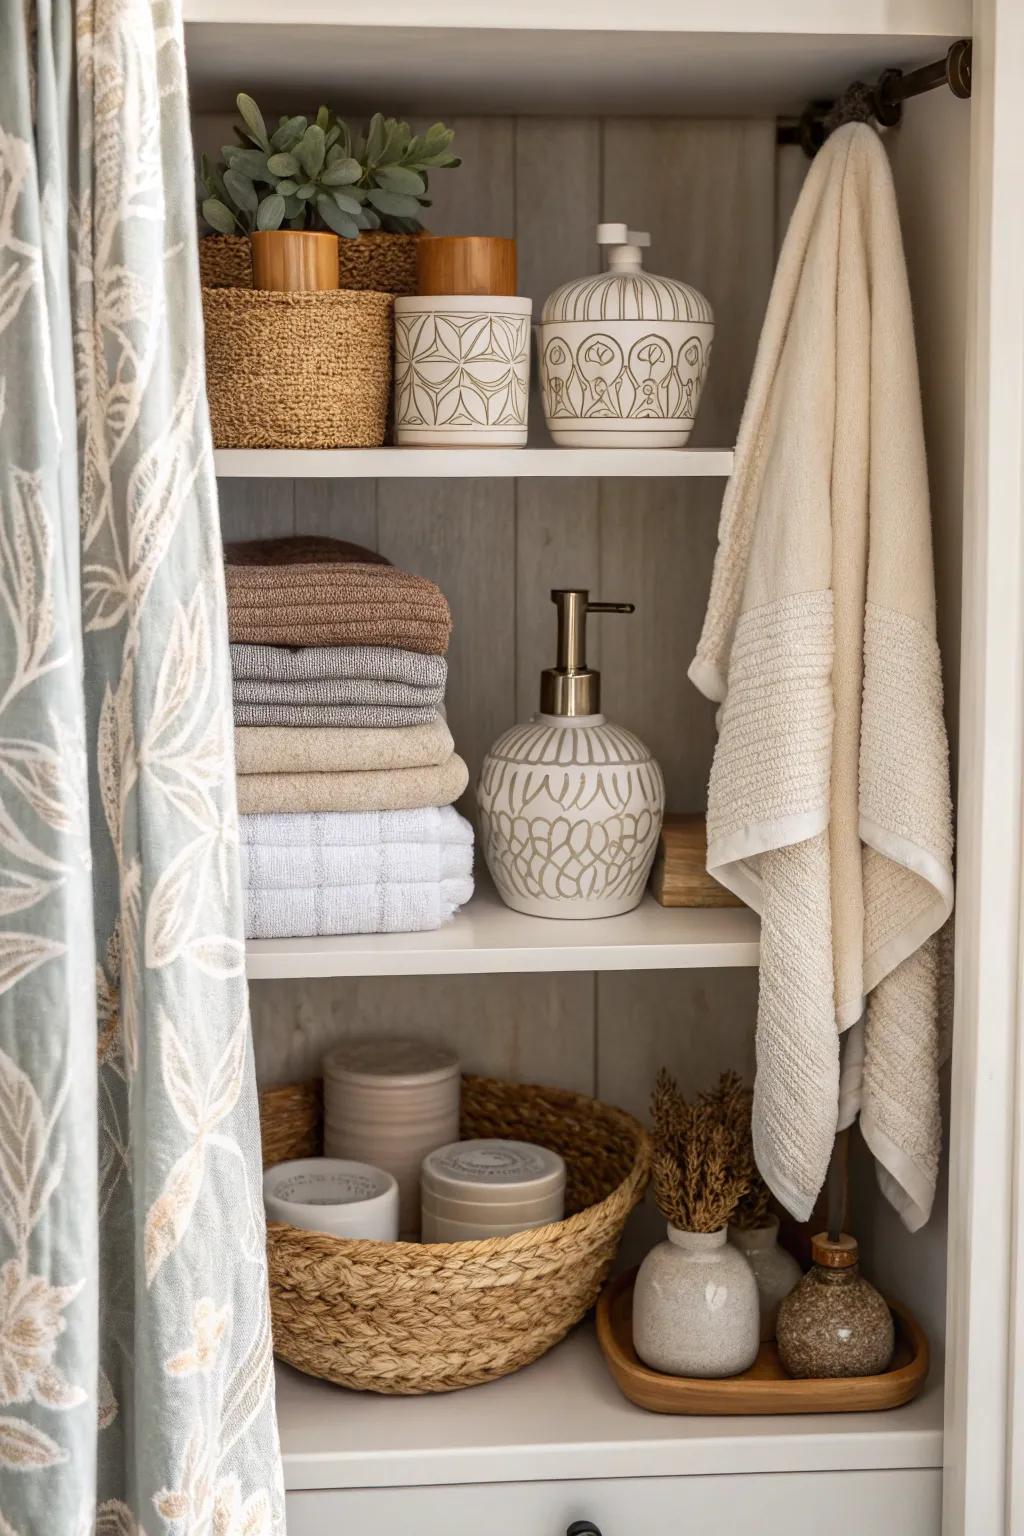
829,804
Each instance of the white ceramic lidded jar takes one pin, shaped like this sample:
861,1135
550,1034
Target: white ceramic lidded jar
624,354
571,805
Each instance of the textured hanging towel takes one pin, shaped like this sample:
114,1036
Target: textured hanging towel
829,804
292,595
394,789
273,749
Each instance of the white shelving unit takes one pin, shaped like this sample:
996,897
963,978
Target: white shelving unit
563,1418
487,937
470,463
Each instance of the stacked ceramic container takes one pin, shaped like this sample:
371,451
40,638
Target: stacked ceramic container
389,1103
489,1188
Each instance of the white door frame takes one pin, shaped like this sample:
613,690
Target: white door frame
983,1488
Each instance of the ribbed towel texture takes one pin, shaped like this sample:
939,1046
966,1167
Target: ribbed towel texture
320,749
361,872
380,717
325,600
314,663
829,804
338,690
392,789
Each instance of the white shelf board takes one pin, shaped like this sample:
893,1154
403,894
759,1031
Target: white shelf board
488,937
702,58
564,1418
469,463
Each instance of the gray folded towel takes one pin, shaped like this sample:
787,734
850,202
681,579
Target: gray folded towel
372,716
335,690
311,663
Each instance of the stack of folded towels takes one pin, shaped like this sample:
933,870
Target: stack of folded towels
346,767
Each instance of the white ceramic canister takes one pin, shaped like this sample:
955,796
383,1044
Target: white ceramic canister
520,1185
623,355
462,371
390,1102
695,1307
333,1195
775,1271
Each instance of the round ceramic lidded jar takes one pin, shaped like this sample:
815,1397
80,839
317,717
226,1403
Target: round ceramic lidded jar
695,1307
624,355
490,1187
389,1103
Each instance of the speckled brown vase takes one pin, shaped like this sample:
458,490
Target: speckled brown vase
775,1270
834,1323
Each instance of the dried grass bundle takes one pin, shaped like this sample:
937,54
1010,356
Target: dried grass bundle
703,1169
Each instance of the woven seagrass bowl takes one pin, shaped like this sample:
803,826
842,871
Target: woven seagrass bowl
297,370
408,1318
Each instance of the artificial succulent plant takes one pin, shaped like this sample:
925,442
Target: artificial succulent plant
311,174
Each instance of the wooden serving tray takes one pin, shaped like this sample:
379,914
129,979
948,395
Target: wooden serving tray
765,1388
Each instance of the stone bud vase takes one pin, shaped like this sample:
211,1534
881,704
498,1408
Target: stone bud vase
695,1307
776,1272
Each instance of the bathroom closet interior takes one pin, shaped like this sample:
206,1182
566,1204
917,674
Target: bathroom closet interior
681,121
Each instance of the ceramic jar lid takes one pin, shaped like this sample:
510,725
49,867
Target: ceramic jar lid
390,1063
625,291
493,1172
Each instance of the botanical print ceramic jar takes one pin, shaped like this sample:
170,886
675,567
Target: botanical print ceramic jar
775,1271
462,371
695,1307
624,355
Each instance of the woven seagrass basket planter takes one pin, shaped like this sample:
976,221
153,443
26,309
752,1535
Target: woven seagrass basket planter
377,260
297,370
408,1318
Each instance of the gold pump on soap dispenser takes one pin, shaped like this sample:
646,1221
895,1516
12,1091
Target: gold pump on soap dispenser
570,804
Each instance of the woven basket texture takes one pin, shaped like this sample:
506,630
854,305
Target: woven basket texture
411,1318
297,370
378,261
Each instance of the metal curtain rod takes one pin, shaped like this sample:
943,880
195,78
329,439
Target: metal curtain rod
883,101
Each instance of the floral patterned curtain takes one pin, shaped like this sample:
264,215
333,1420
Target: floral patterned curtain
136,1376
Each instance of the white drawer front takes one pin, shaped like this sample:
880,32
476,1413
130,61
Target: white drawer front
894,1503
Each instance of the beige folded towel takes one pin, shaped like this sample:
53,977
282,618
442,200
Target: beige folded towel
283,749
829,804
393,789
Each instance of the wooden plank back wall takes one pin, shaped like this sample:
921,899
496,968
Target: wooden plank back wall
707,192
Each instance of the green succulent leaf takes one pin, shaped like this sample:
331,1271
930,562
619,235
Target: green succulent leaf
218,216
375,137
294,208
283,164
310,150
342,172
242,190
252,117
297,222
368,219
395,203
252,163
342,223
398,178
286,187
323,118
347,204
270,212
307,190
288,134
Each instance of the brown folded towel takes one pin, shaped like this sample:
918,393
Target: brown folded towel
332,594
301,549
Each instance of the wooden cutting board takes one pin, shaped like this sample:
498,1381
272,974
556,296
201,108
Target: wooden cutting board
679,878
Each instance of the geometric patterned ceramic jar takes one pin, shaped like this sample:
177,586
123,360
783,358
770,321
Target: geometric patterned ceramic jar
462,370
624,355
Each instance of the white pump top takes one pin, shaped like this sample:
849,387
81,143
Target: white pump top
626,246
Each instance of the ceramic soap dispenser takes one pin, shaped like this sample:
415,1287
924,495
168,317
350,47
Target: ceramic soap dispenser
571,805
624,354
